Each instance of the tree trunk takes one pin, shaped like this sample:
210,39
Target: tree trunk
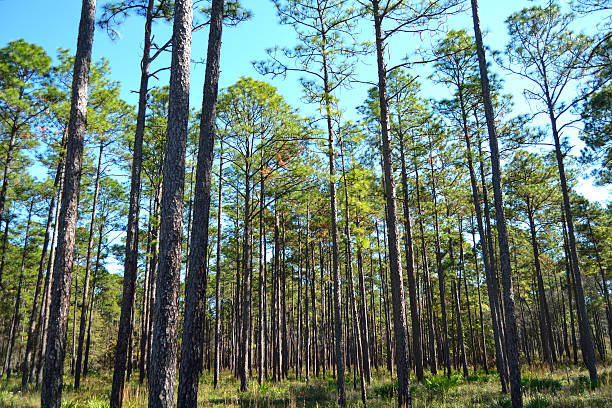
218,277
511,330
17,310
93,298
51,391
131,247
191,351
162,377
92,226
34,325
441,272
395,265
414,314
547,339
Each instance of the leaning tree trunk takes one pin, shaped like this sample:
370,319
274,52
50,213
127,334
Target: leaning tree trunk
51,391
191,351
504,253
162,376
395,264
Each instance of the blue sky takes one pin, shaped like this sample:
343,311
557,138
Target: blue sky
54,24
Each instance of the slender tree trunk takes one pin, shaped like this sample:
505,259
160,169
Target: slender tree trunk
484,361
246,283
164,349
395,265
51,391
365,336
17,310
441,272
131,247
92,229
46,304
93,298
511,330
34,322
218,277
339,342
349,277
428,299
547,339
588,354
604,283
414,314
191,351
5,181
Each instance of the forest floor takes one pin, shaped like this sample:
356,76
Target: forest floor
564,388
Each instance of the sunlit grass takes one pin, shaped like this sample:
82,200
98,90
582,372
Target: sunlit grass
566,387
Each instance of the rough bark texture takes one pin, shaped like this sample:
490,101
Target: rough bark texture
191,351
51,391
395,264
504,253
131,246
162,376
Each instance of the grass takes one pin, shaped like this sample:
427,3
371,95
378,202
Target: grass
567,387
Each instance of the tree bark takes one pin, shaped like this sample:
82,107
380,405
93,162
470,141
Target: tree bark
191,350
414,314
395,265
511,330
92,226
34,325
131,247
51,391
162,377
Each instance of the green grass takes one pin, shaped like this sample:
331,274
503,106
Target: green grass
567,387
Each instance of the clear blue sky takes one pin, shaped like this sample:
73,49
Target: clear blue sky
54,24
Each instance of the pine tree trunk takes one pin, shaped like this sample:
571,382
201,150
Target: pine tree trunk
195,286
33,325
162,377
92,226
51,391
511,330
46,303
395,265
414,314
547,340
131,247
17,310
218,276
441,273
93,298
